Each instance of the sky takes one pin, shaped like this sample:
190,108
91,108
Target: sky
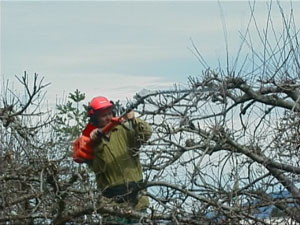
117,48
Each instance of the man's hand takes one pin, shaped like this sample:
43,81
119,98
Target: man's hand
96,135
130,115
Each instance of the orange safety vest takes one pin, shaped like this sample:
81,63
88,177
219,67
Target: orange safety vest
82,147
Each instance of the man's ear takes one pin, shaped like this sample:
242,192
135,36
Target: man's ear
93,120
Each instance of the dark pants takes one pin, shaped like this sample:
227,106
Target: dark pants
121,194
124,192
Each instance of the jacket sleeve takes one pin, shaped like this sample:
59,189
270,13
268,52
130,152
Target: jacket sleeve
142,130
139,134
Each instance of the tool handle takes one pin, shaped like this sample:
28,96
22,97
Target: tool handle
115,121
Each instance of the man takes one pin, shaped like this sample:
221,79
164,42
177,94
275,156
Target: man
116,160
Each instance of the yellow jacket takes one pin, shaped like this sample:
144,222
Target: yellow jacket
116,160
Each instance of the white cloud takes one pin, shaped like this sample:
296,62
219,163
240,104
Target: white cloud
102,55
113,86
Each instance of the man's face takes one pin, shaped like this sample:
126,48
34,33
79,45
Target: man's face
104,117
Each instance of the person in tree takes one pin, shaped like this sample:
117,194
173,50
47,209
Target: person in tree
115,160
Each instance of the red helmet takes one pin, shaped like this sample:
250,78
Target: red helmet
98,103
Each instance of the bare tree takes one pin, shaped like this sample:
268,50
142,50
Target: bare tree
233,151
224,149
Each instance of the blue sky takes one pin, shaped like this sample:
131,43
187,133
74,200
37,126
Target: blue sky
116,48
